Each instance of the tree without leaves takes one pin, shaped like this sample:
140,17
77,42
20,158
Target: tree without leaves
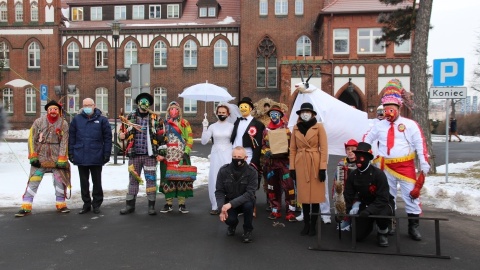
398,27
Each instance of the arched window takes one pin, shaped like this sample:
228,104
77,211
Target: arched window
73,55
266,64
7,100
190,54
304,46
5,54
34,55
30,100
34,12
101,99
160,54
130,54
3,12
128,102
160,99
220,55
19,12
101,55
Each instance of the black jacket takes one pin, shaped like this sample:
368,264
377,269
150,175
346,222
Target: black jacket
256,145
235,190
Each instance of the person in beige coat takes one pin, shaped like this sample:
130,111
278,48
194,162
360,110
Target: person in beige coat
308,164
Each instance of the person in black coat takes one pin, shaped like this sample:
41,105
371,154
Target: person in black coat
248,132
89,147
367,193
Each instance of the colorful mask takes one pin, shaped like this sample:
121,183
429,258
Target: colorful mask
275,116
173,112
53,111
245,109
144,104
391,112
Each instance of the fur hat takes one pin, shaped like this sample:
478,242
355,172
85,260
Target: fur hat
246,100
306,107
144,95
53,103
364,148
275,108
392,93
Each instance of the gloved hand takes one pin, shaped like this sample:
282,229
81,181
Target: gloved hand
322,175
205,123
70,157
106,159
35,162
355,208
415,193
364,213
293,174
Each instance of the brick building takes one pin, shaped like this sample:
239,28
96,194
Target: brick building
255,48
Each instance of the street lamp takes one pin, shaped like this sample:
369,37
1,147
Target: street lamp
116,33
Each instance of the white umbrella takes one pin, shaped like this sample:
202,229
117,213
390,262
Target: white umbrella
206,92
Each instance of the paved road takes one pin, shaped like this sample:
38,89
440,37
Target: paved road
48,240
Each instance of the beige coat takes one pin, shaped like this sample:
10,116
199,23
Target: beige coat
308,155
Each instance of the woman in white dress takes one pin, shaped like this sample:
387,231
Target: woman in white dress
221,154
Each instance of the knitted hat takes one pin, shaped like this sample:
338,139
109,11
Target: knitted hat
393,93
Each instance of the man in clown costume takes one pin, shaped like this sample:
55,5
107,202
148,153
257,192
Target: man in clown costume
400,140
248,132
177,134
47,151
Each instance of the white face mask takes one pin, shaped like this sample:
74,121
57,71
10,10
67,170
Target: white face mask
306,116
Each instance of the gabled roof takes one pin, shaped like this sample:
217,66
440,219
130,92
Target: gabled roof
361,6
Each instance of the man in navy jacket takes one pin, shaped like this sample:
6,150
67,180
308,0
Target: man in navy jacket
89,147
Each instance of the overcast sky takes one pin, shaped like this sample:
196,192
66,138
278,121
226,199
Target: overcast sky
455,33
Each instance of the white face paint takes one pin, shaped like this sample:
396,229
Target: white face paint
306,116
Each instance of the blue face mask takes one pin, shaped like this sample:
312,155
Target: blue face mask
88,110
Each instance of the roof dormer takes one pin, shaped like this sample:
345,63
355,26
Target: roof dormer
208,8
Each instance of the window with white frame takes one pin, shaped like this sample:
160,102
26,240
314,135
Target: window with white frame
189,105
30,100
138,12
405,47
7,100
34,12
4,54
101,55
366,41
96,13
77,14
73,55
212,12
266,64
190,54
281,7
130,54
18,12
263,7
101,99
160,54
173,11
341,41
220,55
298,7
155,11
160,99
128,102
202,12
33,55
304,46
3,12
120,12
73,103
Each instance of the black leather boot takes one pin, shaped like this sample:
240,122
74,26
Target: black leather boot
129,208
413,228
382,239
313,226
306,226
151,208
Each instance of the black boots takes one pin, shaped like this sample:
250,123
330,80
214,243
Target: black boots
151,208
313,226
310,225
413,228
130,207
306,226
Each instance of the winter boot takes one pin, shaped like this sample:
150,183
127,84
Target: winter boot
313,225
151,208
130,207
392,227
413,228
306,226
382,238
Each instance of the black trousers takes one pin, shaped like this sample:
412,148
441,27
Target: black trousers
247,210
365,225
97,191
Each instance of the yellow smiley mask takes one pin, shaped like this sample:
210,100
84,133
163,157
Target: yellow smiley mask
245,109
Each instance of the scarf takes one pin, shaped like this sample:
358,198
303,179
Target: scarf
303,126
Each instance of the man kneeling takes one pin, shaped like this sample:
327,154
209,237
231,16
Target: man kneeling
367,193
235,193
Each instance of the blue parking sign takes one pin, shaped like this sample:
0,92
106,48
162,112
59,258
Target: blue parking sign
448,72
43,92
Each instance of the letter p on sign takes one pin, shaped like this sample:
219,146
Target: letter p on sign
448,72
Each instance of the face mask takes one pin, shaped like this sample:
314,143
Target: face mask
222,117
275,116
245,109
87,110
174,113
306,116
391,113
238,162
362,161
144,104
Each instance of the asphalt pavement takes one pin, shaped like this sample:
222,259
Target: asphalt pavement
197,240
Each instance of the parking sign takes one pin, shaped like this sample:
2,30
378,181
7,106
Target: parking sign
448,72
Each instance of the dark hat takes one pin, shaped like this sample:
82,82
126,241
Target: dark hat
246,100
144,95
306,107
53,103
364,148
275,108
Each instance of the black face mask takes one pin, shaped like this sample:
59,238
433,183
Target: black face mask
238,162
362,160
222,117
